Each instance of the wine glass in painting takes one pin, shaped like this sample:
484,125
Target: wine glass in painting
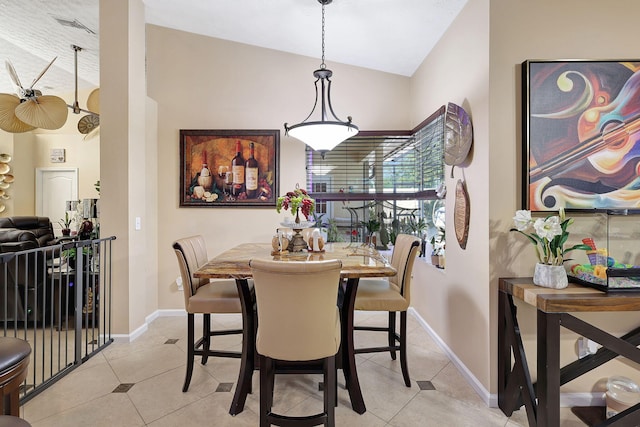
222,173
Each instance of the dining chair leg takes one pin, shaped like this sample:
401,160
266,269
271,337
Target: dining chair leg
348,351
247,361
206,337
403,348
391,333
330,390
190,355
266,389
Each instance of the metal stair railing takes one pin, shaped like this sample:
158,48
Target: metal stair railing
57,298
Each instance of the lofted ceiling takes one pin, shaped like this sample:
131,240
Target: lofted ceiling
387,35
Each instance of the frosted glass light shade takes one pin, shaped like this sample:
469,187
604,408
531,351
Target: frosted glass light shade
323,136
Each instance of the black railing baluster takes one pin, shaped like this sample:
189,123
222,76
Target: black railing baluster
37,287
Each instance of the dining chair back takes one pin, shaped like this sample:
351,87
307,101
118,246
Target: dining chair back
392,295
298,321
203,296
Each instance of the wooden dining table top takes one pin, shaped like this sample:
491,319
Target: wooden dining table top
358,260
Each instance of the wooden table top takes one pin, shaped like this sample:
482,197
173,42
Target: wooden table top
574,298
357,260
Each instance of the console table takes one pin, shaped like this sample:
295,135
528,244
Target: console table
553,307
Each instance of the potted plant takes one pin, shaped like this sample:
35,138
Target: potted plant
65,224
372,226
417,225
438,242
71,256
333,234
548,235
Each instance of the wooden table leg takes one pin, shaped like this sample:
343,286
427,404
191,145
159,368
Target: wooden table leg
548,384
514,380
247,361
348,353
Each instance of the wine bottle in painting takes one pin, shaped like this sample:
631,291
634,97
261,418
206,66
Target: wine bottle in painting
237,168
251,173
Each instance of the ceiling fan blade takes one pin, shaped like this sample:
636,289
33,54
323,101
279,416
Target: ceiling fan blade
8,120
95,132
46,112
93,101
87,123
13,74
42,73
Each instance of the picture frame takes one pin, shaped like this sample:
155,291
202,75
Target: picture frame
207,174
580,135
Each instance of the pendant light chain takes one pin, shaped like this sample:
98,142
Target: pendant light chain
323,65
324,134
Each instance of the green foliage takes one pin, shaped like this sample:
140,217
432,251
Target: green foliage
66,222
372,225
416,225
438,241
333,234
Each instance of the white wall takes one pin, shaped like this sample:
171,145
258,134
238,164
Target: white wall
204,83
455,301
545,29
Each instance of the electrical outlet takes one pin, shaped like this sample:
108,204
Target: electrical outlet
179,283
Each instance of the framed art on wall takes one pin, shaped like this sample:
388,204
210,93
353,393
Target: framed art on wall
229,168
581,134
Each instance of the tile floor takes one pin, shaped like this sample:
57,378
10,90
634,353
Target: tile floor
140,383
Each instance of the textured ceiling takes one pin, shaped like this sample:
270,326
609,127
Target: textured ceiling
31,36
386,35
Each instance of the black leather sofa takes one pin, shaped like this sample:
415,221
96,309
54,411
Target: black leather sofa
25,272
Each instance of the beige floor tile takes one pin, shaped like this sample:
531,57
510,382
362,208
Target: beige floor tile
153,405
432,408
423,364
73,390
212,410
567,419
114,409
85,397
147,363
223,369
383,390
151,338
344,415
450,381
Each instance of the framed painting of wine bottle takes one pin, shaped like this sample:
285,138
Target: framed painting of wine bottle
581,135
229,168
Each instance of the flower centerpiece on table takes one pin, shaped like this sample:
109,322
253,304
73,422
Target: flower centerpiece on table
549,235
298,201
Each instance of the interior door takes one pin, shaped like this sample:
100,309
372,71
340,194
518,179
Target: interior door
54,187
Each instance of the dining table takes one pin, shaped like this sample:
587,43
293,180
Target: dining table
358,261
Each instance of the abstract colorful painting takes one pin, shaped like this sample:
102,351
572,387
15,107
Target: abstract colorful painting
581,135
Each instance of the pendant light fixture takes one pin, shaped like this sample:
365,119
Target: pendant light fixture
324,134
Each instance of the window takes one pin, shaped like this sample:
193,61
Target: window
390,175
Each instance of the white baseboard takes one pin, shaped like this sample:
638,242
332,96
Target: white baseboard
491,400
488,398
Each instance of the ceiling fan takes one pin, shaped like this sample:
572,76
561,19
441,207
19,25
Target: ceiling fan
88,125
30,109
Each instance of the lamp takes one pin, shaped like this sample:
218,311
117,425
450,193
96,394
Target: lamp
322,135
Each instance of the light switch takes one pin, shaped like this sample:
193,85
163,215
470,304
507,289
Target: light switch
138,223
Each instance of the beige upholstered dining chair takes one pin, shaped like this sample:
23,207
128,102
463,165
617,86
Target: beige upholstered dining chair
392,295
203,296
298,321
